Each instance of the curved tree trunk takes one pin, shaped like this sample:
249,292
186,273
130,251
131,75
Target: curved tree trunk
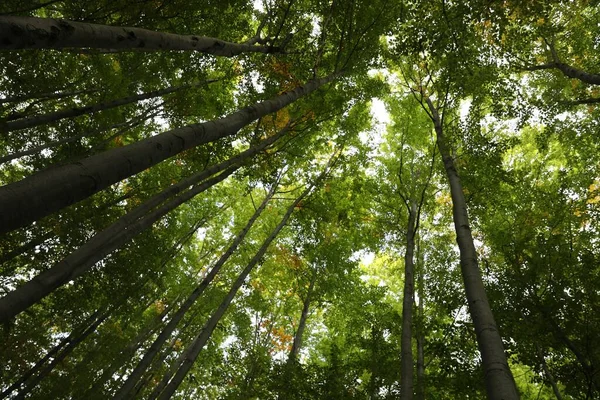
47,33
406,355
119,233
37,120
146,360
57,187
499,381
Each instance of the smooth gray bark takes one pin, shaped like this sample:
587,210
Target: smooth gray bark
170,327
547,374
37,120
57,187
47,33
95,391
569,72
499,381
93,251
117,234
406,355
188,357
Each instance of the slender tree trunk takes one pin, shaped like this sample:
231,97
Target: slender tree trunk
171,382
40,363
95,391
46,33
124,127
94,250
32,244
146,360
420,393
37,120
500,384
118,234
406,358
547,374
57,187
70,346
297,343
44,96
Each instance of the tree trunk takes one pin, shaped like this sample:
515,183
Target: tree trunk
420,392
44,96
297,343
86,256
499,381
117,234
70,346
569,72
122,126
40,363
171,382
146,360
57,187
95,391
406,358
37,120
47,33
547,374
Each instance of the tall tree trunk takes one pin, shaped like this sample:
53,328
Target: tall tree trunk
171,381
70,346
500,384
57,187
406,358
46,33
95,391
420,392
118,234
37,120
547,374
87,255
56,349
146,360
44,96
297,343
122,126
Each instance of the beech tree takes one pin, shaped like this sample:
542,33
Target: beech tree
167,229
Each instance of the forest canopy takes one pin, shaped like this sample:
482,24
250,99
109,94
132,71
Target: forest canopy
299,199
